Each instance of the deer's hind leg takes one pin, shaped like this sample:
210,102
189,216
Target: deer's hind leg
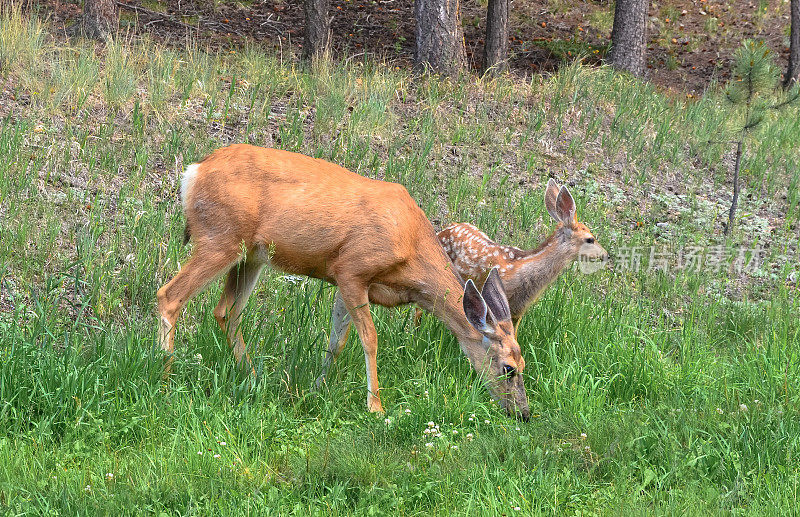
239,285
205,265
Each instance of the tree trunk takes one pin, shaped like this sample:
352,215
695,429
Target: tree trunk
318,28
629,36
495,52
439,36
100,19
735,201
793,70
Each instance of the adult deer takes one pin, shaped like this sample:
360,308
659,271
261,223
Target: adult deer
247,207
525,273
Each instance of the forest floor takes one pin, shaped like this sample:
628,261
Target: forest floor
691,42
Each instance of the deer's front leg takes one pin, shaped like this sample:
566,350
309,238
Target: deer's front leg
357,302
340,328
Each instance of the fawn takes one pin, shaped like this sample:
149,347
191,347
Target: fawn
247,207
525,273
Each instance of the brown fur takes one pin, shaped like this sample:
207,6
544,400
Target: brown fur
249,206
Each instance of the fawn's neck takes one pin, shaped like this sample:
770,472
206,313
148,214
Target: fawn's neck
535,270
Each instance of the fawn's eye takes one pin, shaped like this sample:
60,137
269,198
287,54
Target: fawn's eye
509,371
590,240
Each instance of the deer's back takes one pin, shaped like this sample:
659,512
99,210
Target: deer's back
305,212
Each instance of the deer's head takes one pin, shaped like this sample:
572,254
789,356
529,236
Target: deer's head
498,357
574,239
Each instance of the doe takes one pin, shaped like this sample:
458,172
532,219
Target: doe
247,207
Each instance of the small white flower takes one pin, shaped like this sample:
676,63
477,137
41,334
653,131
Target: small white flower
199,453
216,455
426,431
455,432
720,411
429,445
471,418
517,508
587,449
387,421
469,436
486,421
517,428
431,424
109,476
426,393
757,402
87,488
223,444
472,415
583,436
743,408
408,411
454,447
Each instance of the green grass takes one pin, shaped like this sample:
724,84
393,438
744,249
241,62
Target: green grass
653,367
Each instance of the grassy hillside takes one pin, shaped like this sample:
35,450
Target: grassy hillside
655,390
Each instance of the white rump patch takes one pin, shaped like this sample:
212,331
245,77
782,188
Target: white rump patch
187,181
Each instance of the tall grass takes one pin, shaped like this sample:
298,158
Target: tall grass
654,392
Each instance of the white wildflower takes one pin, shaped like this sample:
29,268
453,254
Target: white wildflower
720,411
583,436
429,445
743,408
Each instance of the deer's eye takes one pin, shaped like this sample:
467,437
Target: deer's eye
590,240
509,371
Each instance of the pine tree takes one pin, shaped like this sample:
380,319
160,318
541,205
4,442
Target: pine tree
751,93
100,19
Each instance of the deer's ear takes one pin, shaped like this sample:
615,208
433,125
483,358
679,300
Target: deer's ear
494,294
565,208
550,197
475,307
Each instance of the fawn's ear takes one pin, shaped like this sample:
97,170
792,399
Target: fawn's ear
475,307
565,208
550,197
494,294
